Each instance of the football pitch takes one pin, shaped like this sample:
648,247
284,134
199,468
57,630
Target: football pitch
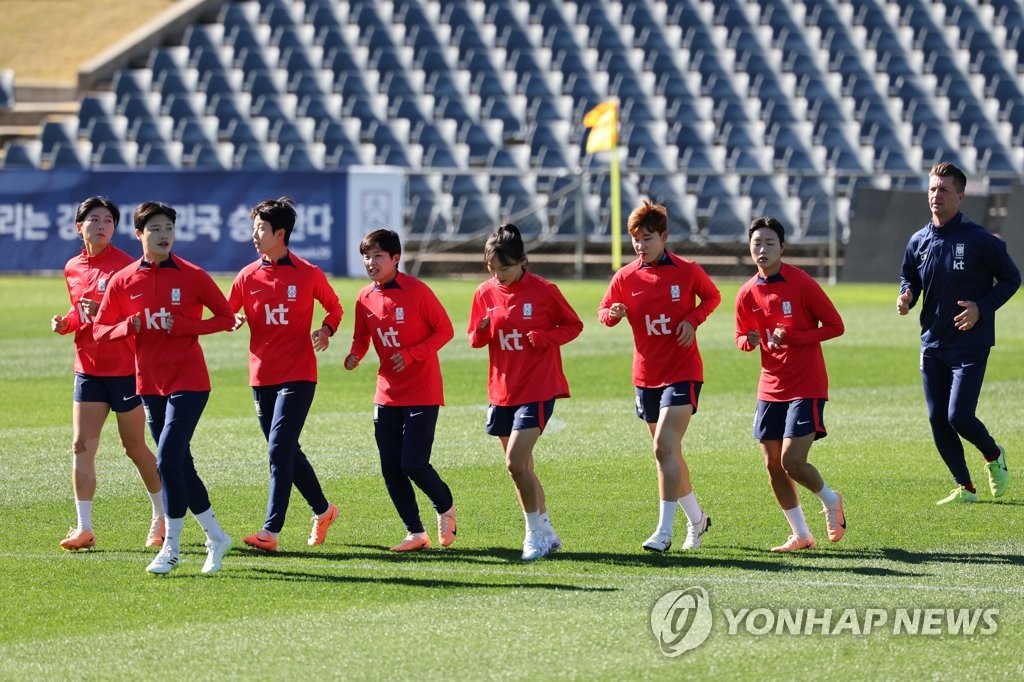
913,591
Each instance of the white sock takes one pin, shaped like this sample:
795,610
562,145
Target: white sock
545,521
172,532
533,522
158,504
209,525
827,496
666,516
795,516
690,507
84,509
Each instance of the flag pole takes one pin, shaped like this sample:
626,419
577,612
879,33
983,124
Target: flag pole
616,208
603,122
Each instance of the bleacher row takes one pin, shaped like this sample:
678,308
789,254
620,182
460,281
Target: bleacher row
729,109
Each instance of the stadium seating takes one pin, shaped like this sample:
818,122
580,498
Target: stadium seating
728,108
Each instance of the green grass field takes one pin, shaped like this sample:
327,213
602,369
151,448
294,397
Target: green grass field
350,609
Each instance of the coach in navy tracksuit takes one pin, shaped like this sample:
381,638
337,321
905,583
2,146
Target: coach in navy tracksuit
962,274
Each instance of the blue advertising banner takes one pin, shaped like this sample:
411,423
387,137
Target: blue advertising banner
213,229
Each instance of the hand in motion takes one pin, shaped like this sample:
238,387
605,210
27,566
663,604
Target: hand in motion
321,338
398,362
903,302
351,362
59,324
685,334
89,306
778,339
239,321
617,311
966,320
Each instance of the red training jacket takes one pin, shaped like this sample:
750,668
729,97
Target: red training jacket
523,371
277,299
658,299
87,277
164,362
792,298
404,316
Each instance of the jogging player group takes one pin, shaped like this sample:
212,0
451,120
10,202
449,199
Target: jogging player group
137,323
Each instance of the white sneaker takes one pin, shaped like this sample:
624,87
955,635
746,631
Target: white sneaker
215,551
658,542
554,542
695,532
536,545
165,560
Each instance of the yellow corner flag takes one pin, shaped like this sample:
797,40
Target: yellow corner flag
604,126
603,121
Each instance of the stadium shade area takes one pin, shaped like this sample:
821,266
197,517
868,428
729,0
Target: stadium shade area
729,109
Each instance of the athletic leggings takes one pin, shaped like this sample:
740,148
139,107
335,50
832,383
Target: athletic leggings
282,411
172,421
952,385
405,436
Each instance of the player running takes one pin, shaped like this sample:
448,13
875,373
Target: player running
783,311
276,294
104,374
158,300
658,294
408,326
523,320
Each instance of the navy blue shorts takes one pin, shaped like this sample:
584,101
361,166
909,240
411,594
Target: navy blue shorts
792,419
118,392
649,401
502,420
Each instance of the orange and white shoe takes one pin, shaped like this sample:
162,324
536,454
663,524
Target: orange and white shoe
446,527
795,543
262,540
412,543
78,539
156,532
835,520
321,524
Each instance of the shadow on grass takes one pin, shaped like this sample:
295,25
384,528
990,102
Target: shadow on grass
747,559
906,556
407,581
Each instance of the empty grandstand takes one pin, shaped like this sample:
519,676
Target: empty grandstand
729,109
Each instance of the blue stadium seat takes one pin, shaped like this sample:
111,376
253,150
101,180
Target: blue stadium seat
155,155
66,156
250,157
111,155
296,157
22,154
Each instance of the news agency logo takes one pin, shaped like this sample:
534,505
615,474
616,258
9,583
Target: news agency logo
681,620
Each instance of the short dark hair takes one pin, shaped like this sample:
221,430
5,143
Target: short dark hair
772,224
383,239
506,246
947,170
648,217
280,213
97,202
146,210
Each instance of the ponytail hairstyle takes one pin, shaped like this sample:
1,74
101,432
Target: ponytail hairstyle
505,245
